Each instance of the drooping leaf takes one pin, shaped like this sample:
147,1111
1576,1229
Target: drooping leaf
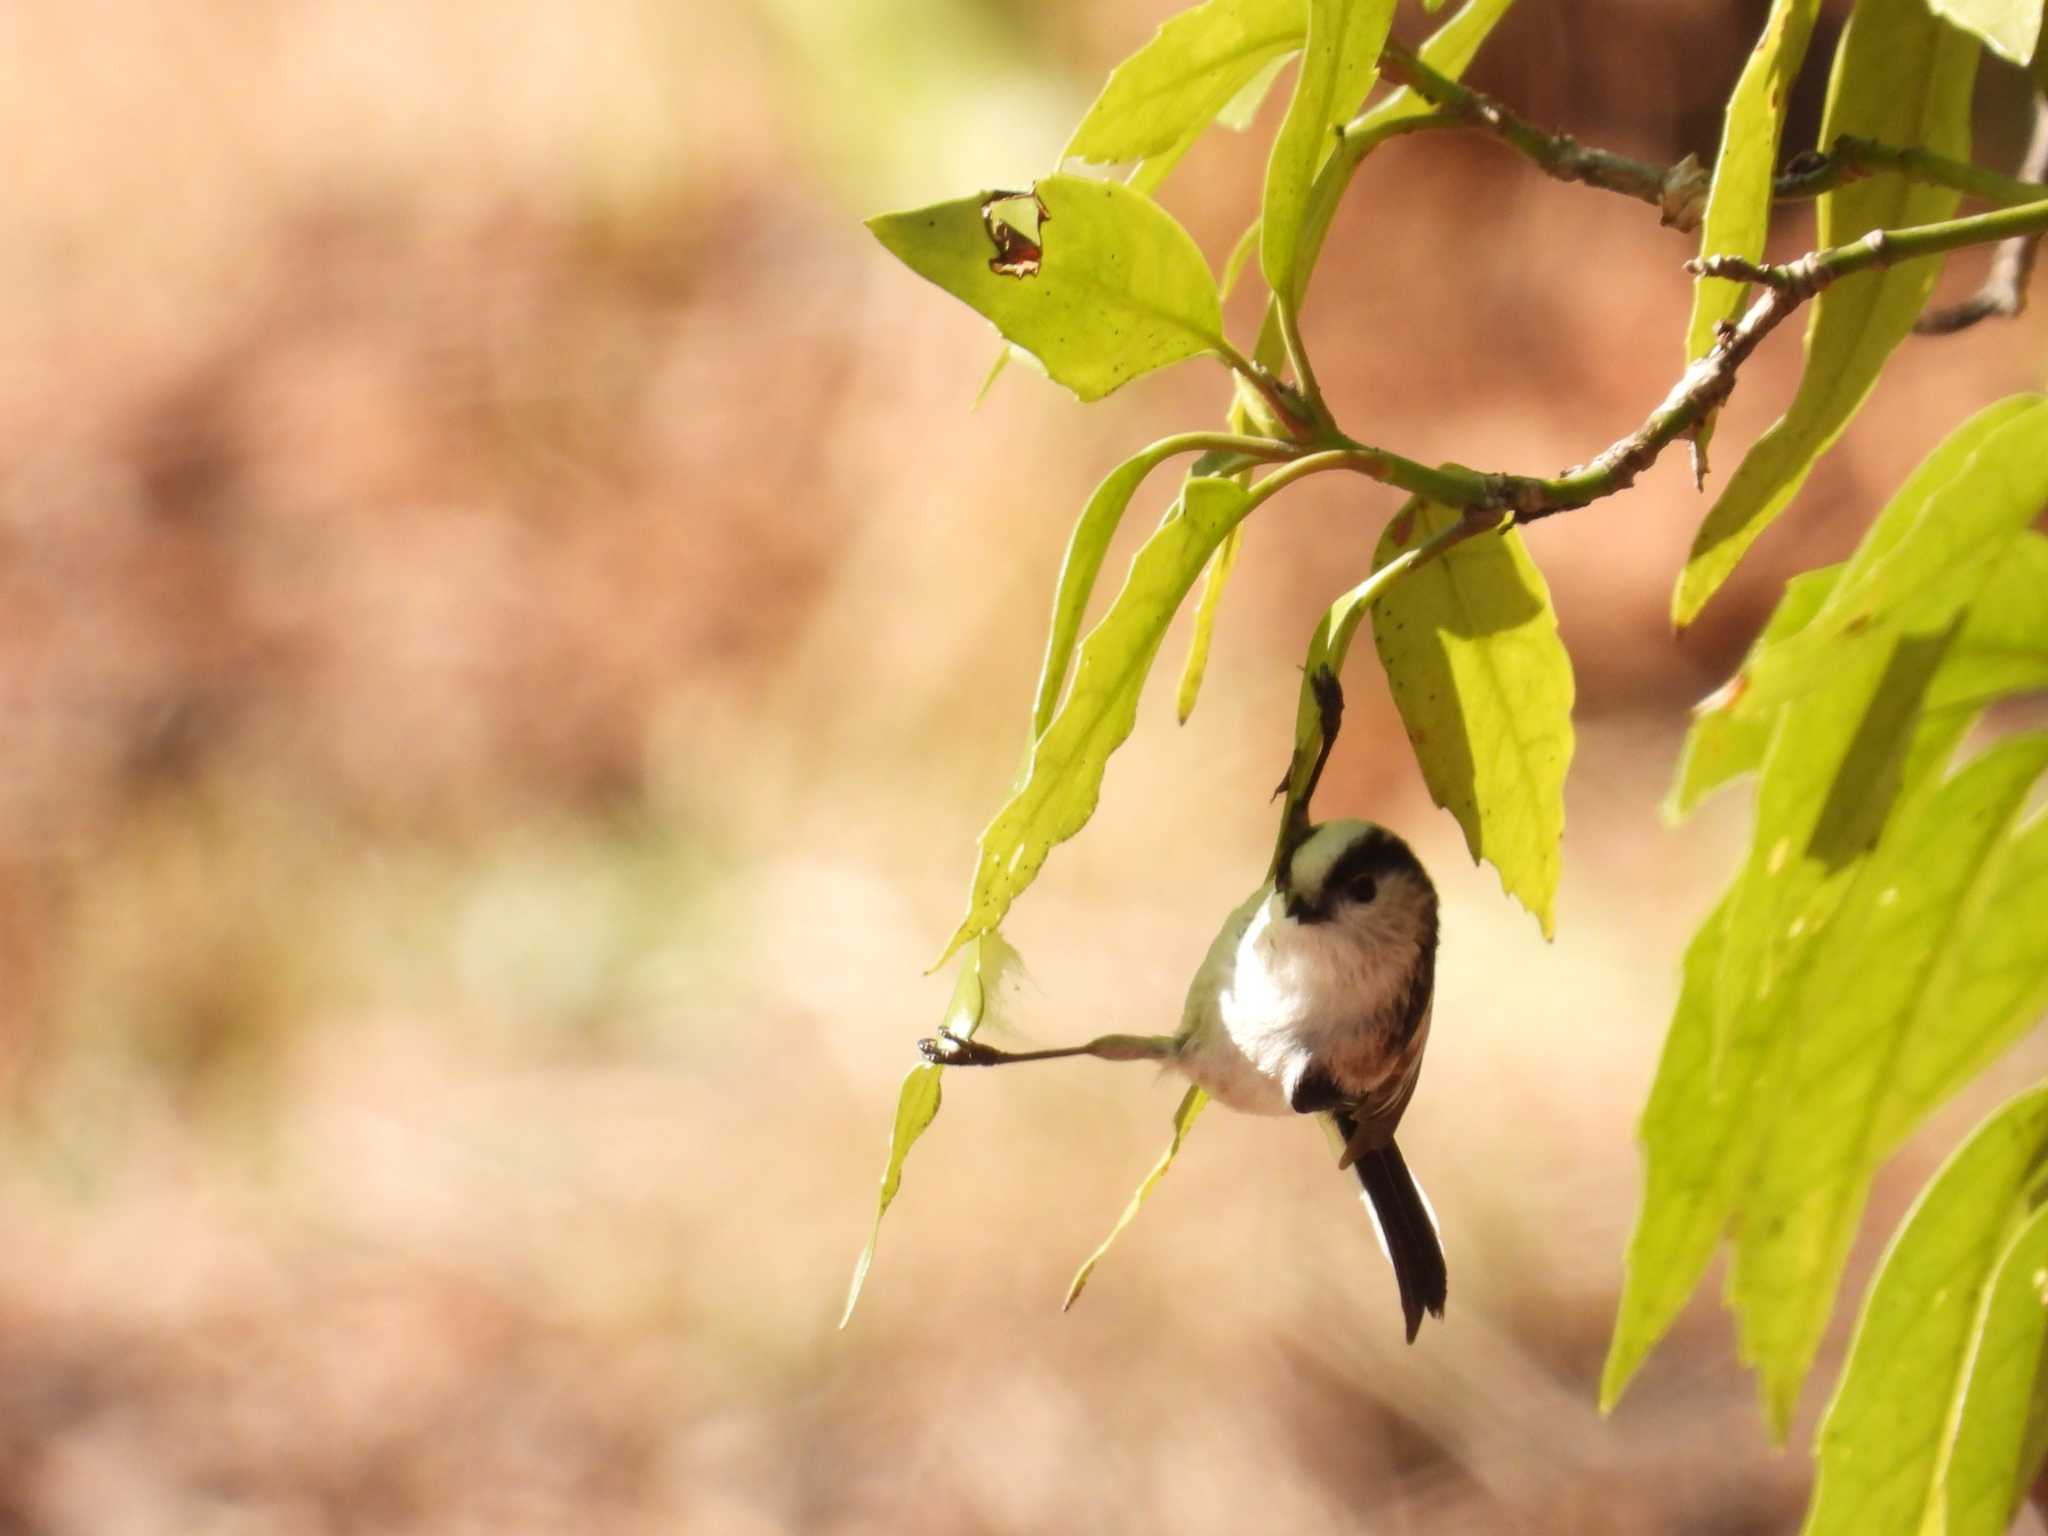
1739,205
1064,777
1339,63
1240,253
1205,622
1086,548
1931,551
1999,1442
1484,686
1727,740
1189,73
1885,1446
1902,77
1690,1129
2009,28
2003,647
1104,285
1841,759
985,971
1183,1117
1881,973
1448,51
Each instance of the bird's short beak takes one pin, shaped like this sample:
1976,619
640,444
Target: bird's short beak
1301,911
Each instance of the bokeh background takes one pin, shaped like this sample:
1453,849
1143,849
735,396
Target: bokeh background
508,630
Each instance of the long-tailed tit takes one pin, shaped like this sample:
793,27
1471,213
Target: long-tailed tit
1314,999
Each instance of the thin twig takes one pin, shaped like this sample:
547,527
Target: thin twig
2004,293
1677,192
1812,173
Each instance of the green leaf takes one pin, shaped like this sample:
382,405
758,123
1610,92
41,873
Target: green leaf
1064,777
1116,289
1998,1437
1739,205
1726,740
1339,63
917,1106
2003,648
1901,77
1484,686
1448,51
1183,1117
1238,112
1191,71
1087,546
1931,551
1885,971
985,971
1240,253
1885,1446
1839,759
1689,1132
2009,28
1205,621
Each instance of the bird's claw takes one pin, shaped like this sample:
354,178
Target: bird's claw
953,1051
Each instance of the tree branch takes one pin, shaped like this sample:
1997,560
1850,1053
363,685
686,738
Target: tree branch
1678,192
2004,292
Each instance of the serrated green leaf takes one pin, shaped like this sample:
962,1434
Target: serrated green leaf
1721,1081
1885,1445
1725,740
1086,548
986,971
1931,551
1901,77
1484,687
2003,647
1835,768
1183,1117
1205,622
1192,70
2009,28
1339,63
1689,1132
1738,211
1881,973
1064,777
1118,289
1997,1447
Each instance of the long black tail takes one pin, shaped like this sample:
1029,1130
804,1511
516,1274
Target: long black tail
1407,1232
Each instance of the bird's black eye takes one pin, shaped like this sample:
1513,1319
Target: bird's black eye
1363,889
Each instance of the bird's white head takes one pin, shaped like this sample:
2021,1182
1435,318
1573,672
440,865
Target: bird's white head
1355,884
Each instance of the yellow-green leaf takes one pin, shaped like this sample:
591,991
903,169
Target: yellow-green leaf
985,971
1339,63
1205,622
1183,1117
1903,77
1887,1443
2010,28
1739,205
1191,71
1101,287
1932,549
2002,1431
1883,979
1484,686
1063,779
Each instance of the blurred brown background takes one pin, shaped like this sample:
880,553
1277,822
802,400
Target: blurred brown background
508,631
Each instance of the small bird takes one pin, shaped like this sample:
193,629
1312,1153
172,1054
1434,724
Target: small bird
1314,999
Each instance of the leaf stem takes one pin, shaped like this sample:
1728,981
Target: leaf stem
1851,158
1287,411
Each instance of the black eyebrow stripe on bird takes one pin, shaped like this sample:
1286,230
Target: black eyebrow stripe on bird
1375,854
